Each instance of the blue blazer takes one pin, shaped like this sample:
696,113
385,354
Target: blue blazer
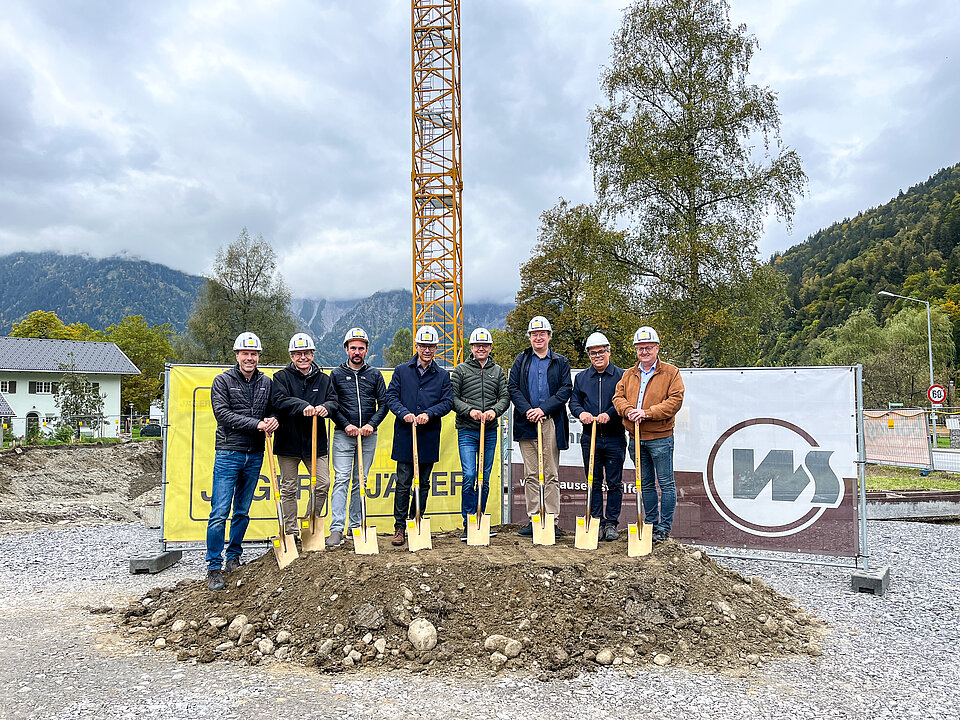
408,392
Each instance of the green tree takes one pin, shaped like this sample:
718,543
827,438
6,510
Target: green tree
673,153
574,280
895,356
400,350
246,292
43,324
77,398
148,347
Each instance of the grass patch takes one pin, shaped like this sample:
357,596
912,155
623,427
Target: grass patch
885,477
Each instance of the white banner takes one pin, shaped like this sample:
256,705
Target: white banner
764,457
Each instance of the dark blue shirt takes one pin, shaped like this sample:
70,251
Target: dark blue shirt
537,379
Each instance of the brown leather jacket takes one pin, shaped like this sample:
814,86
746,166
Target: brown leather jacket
661,401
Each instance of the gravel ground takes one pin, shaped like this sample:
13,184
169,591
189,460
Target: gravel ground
895,656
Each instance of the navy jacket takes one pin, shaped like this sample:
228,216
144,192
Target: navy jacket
410,393
558,382
593,393
239,405
362,395
292,392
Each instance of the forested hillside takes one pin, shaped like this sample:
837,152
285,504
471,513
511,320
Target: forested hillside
908,246
96,292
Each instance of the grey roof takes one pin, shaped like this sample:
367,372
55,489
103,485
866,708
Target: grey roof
40,354
5,410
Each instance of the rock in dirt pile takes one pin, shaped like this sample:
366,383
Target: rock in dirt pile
512,605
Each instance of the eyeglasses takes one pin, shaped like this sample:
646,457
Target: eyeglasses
302,353
646,350
597,353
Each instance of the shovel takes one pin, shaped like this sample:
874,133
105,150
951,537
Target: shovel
312,533
640,533
284,548
478,524
364,538
543,530
588,528
418,528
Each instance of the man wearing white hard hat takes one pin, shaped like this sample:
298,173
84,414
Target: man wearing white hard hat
651,394
362,407
540,387
419,393
300,391
241,401
592,403
479,393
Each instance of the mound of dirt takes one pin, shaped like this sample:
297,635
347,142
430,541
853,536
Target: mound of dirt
78,484
513,605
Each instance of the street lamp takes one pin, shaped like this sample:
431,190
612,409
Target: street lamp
929,345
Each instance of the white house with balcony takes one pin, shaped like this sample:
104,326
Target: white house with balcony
31,368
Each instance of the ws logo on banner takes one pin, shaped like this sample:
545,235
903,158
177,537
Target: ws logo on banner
783,494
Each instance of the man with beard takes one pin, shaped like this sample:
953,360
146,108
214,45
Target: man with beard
362,396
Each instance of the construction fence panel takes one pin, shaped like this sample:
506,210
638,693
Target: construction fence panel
188,469
765,458
898,437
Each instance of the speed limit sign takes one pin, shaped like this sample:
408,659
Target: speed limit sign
937,394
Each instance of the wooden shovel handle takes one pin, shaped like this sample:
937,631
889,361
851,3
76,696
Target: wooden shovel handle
313,451
593,450
540,451
416,456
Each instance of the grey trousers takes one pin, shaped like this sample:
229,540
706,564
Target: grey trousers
290,489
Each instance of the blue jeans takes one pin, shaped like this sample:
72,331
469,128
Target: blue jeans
235,478
608,459
345,468
656,468
469,444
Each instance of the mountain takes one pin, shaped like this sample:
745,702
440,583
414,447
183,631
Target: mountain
910,246
99,293
316,317
383,313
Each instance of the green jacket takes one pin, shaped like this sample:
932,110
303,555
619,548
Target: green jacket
476,388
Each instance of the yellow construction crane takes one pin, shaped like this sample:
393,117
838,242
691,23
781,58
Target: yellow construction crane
437,182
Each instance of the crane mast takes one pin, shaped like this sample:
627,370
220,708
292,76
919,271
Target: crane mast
436,178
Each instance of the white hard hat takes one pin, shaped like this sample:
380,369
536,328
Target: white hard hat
427,335
481,336
646,334
247,341
356,333
301,341
539,323
597,339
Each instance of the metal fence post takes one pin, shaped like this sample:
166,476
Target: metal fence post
861,470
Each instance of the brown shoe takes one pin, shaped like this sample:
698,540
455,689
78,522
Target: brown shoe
399,538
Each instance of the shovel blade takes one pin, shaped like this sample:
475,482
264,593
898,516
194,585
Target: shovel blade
588,533
418,535
639,539
285,550
478,533
543,529
365,541
312,535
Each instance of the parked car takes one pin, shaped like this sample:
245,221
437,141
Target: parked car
150,430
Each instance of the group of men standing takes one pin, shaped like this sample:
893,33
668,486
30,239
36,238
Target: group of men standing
249,406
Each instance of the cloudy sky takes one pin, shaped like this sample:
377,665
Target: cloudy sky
159,129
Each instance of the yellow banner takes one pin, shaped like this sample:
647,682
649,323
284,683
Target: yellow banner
188,468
